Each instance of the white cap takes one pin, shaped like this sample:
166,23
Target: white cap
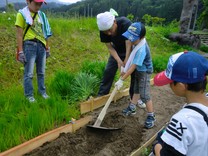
105,20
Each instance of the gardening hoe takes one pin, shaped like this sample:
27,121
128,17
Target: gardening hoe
102,114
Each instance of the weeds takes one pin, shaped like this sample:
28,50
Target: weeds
95,68
160,63
62,82
84,86
204,48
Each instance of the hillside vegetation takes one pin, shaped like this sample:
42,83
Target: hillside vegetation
168,9
74,42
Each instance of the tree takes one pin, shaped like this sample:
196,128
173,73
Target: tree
6,4
147,19
130,16
203,20
168,9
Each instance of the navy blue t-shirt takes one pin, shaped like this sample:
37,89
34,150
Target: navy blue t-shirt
118,41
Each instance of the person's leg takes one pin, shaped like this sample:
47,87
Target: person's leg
150,120
40,68
131,88
149,106
135,98
144,90
30,55
131,109
135,89
108,76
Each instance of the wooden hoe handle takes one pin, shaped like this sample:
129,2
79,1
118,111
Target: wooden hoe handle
103,112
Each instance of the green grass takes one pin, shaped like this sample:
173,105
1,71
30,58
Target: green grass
200,32
96,68
62,83
21,121
73,73
204,48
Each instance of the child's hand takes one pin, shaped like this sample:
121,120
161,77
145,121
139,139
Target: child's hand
120,64
119,84
157,141
122,69
122,74
48,52
21,57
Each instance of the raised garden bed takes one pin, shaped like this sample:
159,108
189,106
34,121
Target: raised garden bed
126,141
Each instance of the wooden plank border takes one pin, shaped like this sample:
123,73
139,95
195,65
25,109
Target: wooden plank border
139,151
38,141
94,103
46,137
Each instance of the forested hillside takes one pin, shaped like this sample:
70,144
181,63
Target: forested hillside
3,2
18,4
168,9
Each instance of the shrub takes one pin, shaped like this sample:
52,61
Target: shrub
160,63
84,86
167,30
94,68
204,48
61,83
154,21
130,16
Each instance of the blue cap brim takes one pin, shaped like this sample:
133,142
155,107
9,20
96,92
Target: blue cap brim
130,36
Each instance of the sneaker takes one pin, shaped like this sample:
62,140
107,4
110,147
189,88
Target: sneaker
130,110
149,123
31,99
206,94
141,104
45,96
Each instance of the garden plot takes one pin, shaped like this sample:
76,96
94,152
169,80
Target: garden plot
85,142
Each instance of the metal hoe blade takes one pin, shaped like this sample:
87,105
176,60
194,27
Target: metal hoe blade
102,114
102,128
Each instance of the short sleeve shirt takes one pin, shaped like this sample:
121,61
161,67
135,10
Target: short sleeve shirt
35,31
187,132
118,41
143,59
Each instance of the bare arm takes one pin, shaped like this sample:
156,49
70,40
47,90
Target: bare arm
157,149
115,55
129,72
19,31
128,50
47,44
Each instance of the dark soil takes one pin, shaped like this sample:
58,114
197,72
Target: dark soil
93,142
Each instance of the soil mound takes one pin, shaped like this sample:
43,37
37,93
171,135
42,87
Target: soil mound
121,142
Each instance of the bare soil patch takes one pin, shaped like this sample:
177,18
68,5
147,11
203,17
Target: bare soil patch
87,142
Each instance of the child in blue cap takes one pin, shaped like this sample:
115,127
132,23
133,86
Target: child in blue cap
186,133
140,64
